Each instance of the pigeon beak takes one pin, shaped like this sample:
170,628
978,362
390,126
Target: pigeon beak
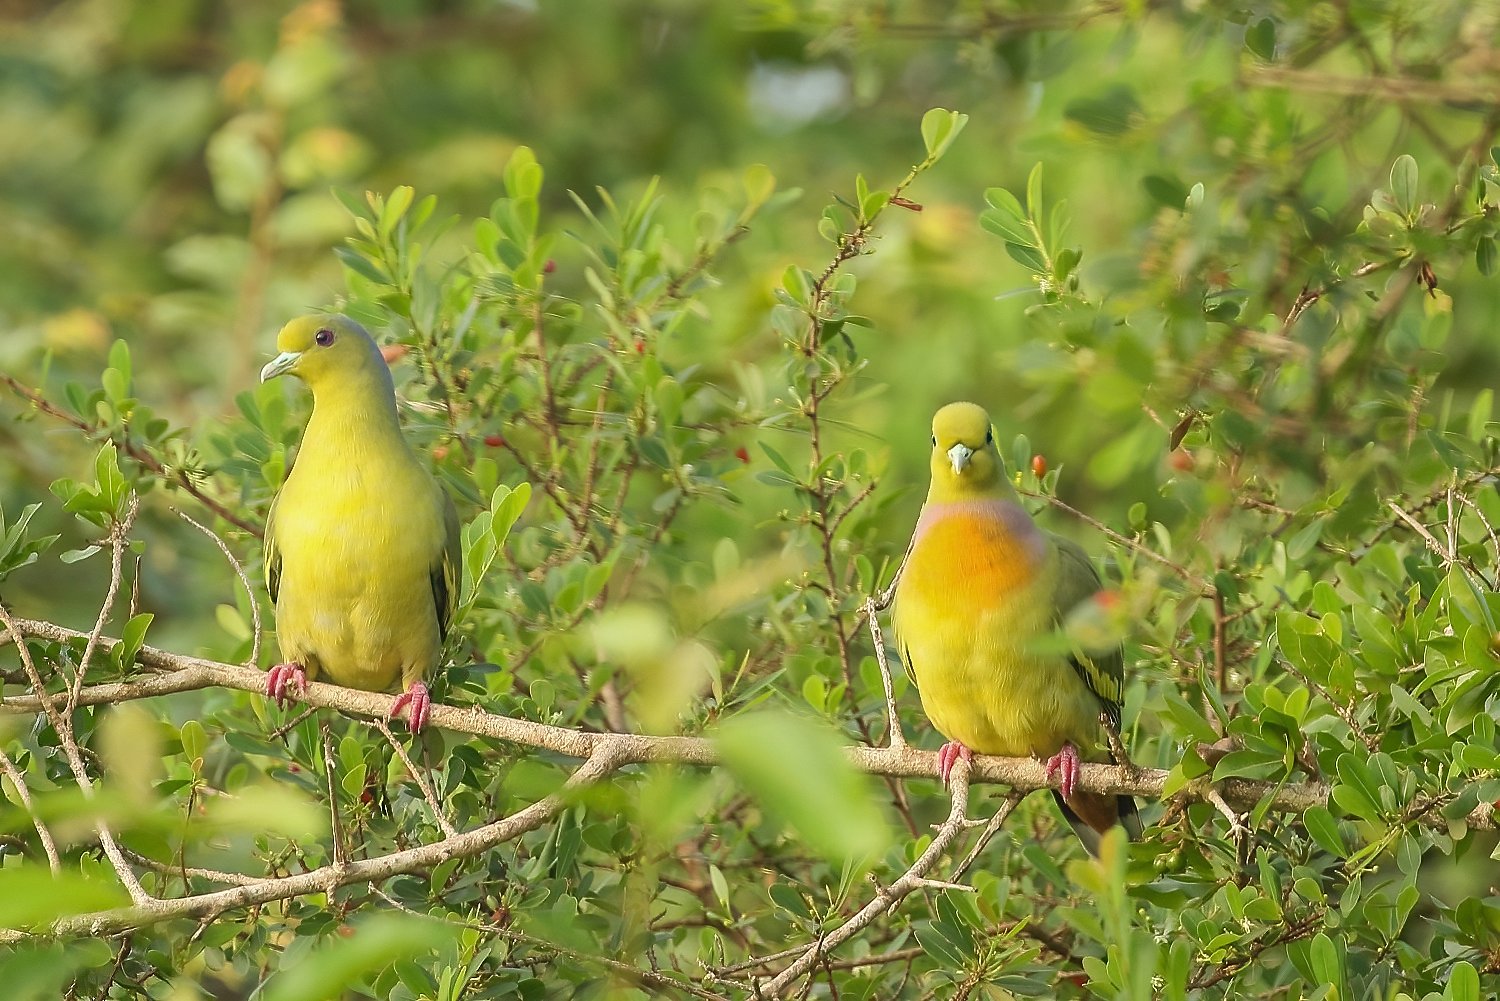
280,365
959,455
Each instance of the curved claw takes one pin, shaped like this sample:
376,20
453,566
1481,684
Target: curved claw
284,682
1065,761
417,703
948,754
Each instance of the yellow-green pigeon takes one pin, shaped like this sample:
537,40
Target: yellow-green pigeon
363,559
982,586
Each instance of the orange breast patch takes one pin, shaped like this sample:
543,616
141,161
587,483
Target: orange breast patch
965,558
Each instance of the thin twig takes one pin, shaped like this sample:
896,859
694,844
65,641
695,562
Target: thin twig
885,898
117,540
1199,583
894,735
24,794
336,822
641,978
239,571
411,769
329,878
62,726
178,477
990,830
1427,537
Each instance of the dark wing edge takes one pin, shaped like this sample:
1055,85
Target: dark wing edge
272,553
448,572
1104,674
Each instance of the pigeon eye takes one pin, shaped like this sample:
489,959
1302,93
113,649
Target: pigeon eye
324,337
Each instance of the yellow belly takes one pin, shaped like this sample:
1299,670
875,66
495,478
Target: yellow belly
356,600
971,608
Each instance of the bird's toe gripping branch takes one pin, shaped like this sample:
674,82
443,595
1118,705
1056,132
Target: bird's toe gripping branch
1065,763
285,682
948,754
417,703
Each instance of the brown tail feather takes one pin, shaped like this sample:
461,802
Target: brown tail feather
1092,814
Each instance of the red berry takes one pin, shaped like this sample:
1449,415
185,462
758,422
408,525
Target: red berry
392,353
640,346
1180,461
742,454
494,440
1107,598
1039,465
440,452
549,267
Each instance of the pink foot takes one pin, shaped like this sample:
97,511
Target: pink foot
1065,762
419,701
285,682
948,754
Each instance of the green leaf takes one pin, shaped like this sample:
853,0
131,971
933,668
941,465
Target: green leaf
796,768
395,207
133,636
1261,39
1463,983
30,896
194,740
1168,192
1327,964
798,284
1479,413
1324,829
506,506
1006,219
119,361
1034,192
1113,112
361,265
330,967
939,128
1027,257
34,971
523,175
111,485
1484,255
1404,183
786,896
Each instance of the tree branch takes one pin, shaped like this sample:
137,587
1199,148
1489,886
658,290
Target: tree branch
182,673
601,762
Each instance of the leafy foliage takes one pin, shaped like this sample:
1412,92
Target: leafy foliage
1238,324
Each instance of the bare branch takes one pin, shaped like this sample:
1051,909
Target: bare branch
191,673
63,727
330,877
886,898
239,571
19,782
411,769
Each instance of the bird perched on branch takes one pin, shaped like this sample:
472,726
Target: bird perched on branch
982,590
363,559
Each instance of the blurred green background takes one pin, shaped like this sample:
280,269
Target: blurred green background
1239,296
166,173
